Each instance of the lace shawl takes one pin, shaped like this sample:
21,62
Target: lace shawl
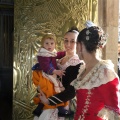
73,61
102,73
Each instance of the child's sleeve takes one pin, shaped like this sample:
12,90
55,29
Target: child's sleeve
45,64
60,54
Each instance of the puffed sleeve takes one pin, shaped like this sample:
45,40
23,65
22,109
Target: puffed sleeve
60,54
111,97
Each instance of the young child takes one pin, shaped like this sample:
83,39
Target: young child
47,64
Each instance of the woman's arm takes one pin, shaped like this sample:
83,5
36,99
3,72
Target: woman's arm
64,96
69,92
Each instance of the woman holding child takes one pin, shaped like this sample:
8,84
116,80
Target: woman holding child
70,62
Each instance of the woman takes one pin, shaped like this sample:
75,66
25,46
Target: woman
67,63
97,85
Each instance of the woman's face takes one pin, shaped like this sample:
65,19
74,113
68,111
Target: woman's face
70,40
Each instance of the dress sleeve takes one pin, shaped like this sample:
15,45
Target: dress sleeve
69,92
64,96
45,64
111,97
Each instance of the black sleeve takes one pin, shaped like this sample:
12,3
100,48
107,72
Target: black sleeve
69,92
64,96
70,74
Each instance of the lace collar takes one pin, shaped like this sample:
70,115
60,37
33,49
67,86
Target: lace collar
45,53
73,61
101,73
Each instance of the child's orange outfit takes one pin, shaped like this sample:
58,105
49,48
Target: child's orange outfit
46,87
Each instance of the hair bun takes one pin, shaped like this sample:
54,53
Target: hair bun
73,28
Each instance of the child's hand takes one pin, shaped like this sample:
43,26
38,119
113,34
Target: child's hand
38,89
59,72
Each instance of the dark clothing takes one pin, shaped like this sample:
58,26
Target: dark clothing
69,92
38,110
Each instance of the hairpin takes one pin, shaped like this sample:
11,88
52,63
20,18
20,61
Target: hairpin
87,38
87,32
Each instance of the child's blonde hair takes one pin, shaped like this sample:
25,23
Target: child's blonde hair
48,36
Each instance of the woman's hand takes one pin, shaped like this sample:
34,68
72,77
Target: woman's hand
59,72
43,98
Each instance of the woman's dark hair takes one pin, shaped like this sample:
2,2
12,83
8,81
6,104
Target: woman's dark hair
73,30
92,37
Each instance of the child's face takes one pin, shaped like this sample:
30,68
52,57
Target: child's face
49,44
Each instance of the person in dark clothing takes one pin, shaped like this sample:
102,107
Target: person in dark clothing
67,63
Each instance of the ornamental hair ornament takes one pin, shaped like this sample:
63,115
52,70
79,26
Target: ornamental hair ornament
89,24
102,38
87,38
87,35
101,41
87,32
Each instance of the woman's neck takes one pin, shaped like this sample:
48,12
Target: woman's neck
91,61
70,54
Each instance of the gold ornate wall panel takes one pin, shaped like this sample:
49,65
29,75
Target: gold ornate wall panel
32,18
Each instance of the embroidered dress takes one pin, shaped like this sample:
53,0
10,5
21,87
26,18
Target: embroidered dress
98,93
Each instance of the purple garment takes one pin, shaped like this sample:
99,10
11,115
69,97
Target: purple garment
48,64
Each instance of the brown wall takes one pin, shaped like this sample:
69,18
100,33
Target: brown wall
108,19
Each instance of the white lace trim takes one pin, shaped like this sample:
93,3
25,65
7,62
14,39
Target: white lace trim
102,73
107,114
45,53
73,61
53,79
